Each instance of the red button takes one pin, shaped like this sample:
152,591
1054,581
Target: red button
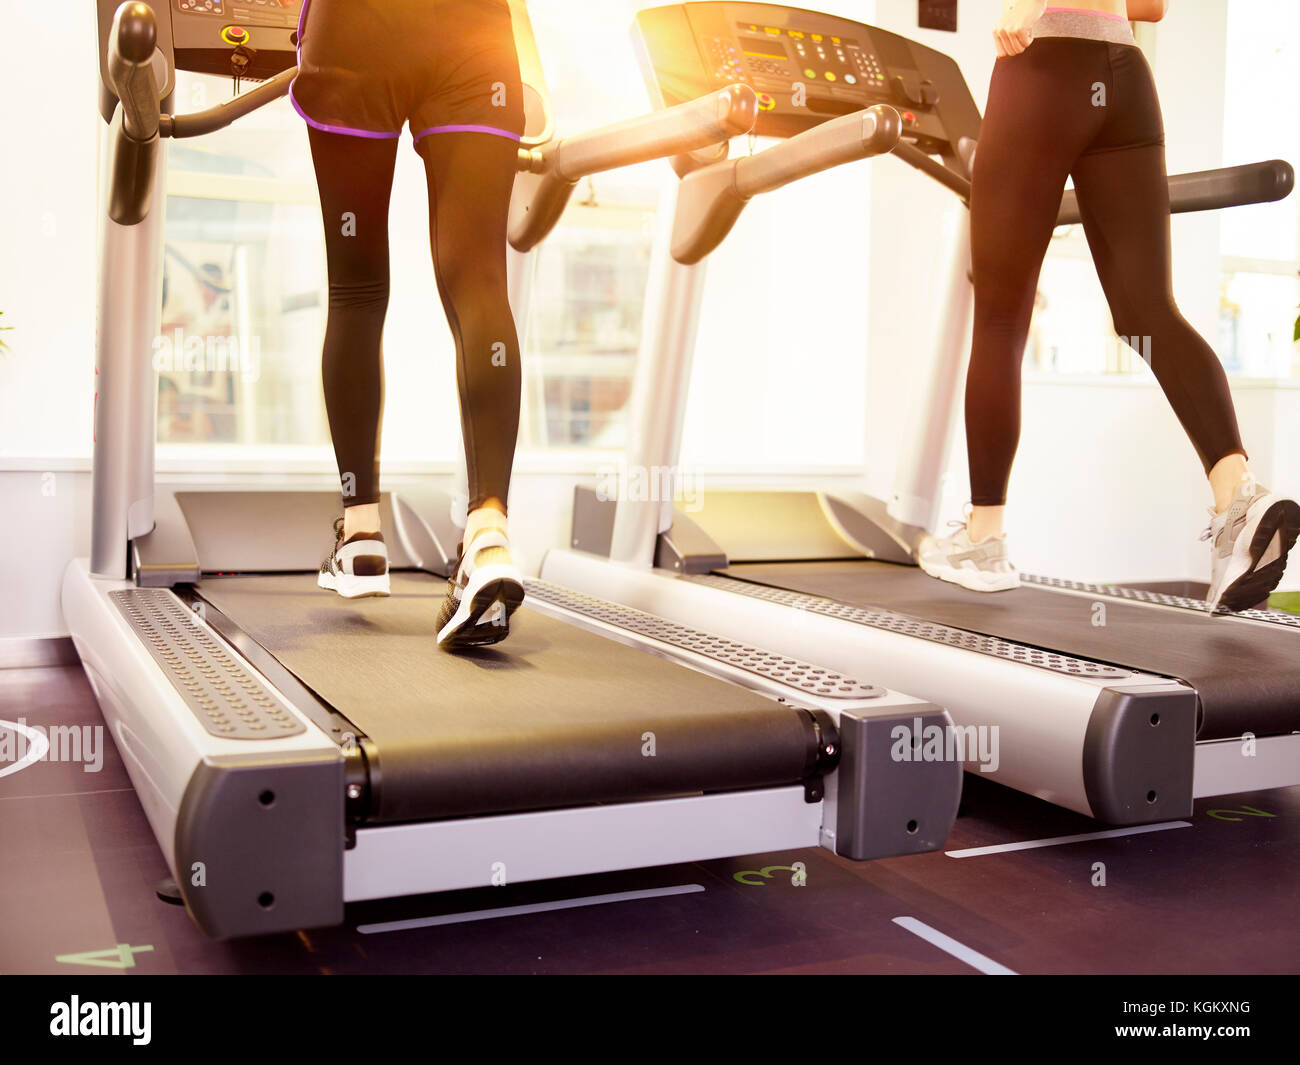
909,118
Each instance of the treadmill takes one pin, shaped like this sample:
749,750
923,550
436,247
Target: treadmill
294,751
1127,722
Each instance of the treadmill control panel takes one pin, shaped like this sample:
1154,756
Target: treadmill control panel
805,66
251,39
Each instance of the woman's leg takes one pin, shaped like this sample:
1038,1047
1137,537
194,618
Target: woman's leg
470,179
1124,203
355,177
1028,141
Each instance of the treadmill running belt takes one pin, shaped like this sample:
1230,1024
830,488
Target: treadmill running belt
1246,674
553,716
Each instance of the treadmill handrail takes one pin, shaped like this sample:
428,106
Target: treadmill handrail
131,44
1200,190
932,167
710,200
548,174
1211,190
197,123
698,123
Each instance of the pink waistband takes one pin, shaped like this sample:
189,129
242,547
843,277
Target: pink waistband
1086,11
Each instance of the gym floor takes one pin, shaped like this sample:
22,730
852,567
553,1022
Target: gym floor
1214,894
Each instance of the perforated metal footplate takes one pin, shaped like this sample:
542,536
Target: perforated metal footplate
790,671
921,630
1138,595
226,697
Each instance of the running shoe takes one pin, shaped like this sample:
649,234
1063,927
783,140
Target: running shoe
356,567
1249,543
480,599
982,567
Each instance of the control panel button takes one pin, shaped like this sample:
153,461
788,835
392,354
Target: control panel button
766,101
235,35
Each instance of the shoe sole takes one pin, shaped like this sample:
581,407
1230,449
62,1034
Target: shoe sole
1254,584
350,586
483,618
971,579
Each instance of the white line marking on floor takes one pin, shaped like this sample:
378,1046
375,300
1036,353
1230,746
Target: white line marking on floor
37,745
535,907
65,794
949,945
1031,844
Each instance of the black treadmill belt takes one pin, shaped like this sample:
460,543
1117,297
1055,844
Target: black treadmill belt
554,716
1247,675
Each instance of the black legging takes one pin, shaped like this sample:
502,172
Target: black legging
1088,109
470,176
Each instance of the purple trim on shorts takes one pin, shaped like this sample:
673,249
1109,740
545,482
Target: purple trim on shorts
348,131
467,129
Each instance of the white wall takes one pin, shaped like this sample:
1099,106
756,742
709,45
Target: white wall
48,182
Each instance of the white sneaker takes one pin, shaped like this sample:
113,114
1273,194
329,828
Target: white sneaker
1249,543
982,567
356,567
480,599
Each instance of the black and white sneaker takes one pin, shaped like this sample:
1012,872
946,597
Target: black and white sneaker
1249,544
480,599
356,567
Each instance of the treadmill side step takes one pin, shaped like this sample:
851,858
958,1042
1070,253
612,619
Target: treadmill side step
1142,595
226,697
801,675
922,630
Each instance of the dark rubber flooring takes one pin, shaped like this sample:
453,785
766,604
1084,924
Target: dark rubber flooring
78,864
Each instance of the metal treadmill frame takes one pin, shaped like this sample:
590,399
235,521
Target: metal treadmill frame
1098,753
257,832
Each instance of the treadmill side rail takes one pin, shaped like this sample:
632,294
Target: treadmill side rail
259,843
1139,754
889,802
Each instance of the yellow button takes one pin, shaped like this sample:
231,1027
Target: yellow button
830,76
816,36
809,72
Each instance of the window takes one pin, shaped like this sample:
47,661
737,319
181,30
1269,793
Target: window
1261,243
243,284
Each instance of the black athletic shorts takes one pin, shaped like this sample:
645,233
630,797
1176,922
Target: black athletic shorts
366,67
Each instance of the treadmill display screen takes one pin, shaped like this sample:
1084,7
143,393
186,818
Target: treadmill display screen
764,48
821,56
